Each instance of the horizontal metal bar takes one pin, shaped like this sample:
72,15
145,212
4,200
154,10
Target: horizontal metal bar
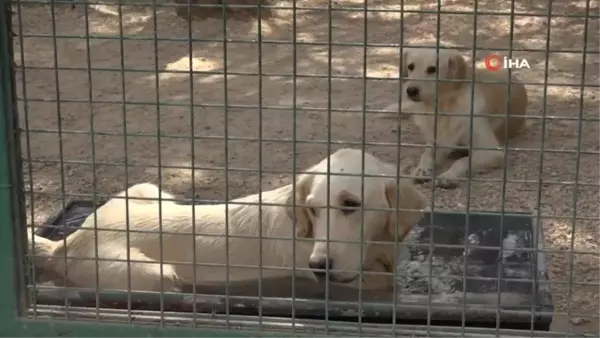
358,8
415,245
398,243
201,298
105,197
305,141
297,141
284,302
230,203
554,282
289,268
297,75
309,326
270,171
310,240
279,75
291,43
288,108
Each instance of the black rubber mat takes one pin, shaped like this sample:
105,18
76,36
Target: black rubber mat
443,276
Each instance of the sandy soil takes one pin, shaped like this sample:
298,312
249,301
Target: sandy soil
159,72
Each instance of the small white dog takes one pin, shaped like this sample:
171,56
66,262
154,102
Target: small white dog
456,98
241,218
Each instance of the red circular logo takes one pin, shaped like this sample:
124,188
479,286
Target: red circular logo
493,62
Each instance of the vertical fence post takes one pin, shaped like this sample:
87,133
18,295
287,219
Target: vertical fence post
11,198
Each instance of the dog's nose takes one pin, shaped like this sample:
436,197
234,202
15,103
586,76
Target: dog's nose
412,92
320,266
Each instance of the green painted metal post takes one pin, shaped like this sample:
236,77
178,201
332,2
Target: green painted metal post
11,300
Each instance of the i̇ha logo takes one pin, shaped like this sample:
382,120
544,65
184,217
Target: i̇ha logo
495,62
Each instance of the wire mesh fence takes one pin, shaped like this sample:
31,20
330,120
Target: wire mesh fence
214,101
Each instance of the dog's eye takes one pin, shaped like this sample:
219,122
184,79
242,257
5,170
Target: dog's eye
411,67
349,206
431,70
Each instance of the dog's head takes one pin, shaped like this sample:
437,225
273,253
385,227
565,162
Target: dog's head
420,68
337,230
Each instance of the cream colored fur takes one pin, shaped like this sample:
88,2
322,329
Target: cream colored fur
242,220
456,98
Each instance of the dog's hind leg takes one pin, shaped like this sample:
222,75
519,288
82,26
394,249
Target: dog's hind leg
143,193
450,134
482,157
148,276
146,193
114,273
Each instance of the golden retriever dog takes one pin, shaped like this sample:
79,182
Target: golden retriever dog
334,233
419,70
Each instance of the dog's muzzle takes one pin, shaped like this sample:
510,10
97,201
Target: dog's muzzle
320,267
413,93
335,279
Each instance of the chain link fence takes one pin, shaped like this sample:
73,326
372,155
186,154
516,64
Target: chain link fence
213,101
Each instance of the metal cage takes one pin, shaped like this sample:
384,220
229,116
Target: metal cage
216,100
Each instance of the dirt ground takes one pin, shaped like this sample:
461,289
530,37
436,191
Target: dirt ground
159,72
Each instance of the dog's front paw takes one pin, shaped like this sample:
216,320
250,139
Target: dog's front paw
378,282
421,175
447,181
170,280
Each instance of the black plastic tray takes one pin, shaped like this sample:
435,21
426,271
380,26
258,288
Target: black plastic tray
461,281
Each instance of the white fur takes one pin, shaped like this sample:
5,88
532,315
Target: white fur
144,241
460,98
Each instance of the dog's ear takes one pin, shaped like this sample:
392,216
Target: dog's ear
457,67
303,223
409,202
